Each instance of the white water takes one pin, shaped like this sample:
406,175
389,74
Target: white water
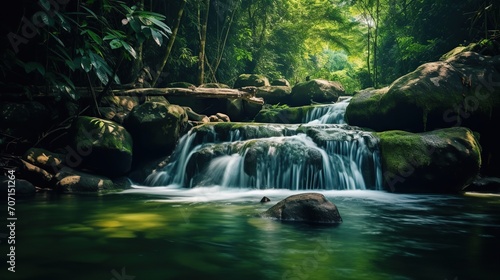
248,157
328,114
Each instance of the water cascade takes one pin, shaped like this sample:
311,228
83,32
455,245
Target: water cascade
328,114
254,155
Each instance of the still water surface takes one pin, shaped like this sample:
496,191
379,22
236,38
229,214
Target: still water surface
213,233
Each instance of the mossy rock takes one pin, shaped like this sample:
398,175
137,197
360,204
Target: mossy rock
256,80
440,161
156,127
274,94
214,85
283,114
81,182
461,91
101,145
280,82
317,90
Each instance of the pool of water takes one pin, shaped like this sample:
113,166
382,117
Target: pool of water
215,233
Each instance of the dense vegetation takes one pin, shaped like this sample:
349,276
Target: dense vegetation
361,43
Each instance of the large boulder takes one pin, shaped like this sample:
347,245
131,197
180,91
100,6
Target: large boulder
256,80
274,94
155,128
72,181
116,108
441,161
463,90
101,145
45,159
317,90
305,207
283,114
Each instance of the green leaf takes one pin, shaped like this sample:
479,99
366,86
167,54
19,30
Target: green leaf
31,66
115,44
101,74
161,25
157,37
96,38
127,9
85,63
129,48
56,38
64,23
89,11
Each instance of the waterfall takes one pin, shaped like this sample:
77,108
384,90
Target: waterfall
328,114
252,155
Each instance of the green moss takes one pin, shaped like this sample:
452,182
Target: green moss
102,133
401,150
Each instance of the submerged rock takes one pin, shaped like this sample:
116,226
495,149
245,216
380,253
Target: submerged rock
71,181
265,199
305,207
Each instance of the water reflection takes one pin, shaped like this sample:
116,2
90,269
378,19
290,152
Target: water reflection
213,233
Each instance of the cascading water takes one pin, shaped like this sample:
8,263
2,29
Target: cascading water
263,156
328,114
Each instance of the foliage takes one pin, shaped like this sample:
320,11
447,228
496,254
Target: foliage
84,46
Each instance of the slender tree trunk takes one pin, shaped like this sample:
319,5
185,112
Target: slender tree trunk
368,62
203,40
170,43
221,53
375,45
137,63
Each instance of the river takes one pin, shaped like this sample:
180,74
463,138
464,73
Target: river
215,233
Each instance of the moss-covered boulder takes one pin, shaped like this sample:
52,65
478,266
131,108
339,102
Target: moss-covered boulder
463,90
305,207
101,145
214,85
71,181
280,82
283,114
116,108
155,128
317,90
274,94
440,161
256,80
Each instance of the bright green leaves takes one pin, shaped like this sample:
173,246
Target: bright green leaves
145,25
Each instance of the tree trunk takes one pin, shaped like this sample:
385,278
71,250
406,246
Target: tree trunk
246,93
375,45
170,43
203,40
